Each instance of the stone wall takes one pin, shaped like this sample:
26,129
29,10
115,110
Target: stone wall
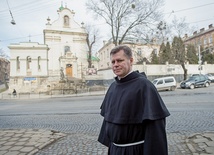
154,71
106,77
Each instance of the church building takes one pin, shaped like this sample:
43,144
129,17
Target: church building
35,66
67,45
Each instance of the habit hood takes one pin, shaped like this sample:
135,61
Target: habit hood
132,100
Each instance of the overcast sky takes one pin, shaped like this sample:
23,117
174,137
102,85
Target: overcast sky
30,16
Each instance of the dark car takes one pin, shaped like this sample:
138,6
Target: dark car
195,81
210,77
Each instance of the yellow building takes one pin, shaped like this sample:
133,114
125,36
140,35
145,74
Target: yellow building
141,52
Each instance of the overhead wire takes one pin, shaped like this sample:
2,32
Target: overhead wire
5,40
12,21
30,4
186,9
28,8
202,20
190,8
173,11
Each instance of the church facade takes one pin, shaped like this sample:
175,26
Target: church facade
67,45
36,67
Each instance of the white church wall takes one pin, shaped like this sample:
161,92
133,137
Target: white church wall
61,33
32,50
59,23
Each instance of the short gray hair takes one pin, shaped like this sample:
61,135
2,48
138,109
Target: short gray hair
127,50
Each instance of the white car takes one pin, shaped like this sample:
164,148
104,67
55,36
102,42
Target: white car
165,83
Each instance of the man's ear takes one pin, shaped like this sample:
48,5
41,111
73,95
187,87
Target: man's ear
131,60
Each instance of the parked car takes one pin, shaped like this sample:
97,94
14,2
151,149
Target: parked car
210,77
195,74
165,83
195,81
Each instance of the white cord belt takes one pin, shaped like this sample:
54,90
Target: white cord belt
129,144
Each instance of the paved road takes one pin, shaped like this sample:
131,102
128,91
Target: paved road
192,111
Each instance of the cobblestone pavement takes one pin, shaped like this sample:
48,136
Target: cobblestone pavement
79,136
189,132
44,142
26,141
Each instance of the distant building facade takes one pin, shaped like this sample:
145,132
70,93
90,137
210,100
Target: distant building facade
203,39
141,52
29,65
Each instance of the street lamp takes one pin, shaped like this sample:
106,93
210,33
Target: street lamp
12,21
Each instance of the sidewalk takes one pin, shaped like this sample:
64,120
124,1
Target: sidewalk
201,143
6,95
26,141
30,141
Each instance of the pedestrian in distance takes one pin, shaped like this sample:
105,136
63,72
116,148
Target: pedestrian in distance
134,113
14,93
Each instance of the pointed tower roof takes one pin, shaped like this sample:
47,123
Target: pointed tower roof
61,7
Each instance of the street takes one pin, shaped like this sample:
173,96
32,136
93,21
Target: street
192,111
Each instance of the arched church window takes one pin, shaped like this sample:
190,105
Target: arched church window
17,63
39,63
28,62
66,49
66,21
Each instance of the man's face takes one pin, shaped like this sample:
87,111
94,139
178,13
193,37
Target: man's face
121,65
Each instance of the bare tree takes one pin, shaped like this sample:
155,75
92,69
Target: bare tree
91,39
122,16
4,72
178,50
179,27
3,54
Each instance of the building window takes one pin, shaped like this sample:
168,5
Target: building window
155,51
17,63
205,41
66,49
108,53
66,21
28,62
139,52
199,42
39,63
211,40
101,57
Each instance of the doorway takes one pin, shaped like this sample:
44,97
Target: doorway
69,70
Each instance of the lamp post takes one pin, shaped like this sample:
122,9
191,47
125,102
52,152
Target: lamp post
199,59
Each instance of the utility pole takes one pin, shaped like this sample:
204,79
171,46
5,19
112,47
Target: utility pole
199,59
